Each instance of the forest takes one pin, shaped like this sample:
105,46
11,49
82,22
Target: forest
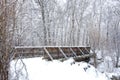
94,23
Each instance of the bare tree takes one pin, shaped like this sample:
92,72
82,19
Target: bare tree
42,4
7,17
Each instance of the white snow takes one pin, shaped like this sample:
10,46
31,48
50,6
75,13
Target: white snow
47,46
39,69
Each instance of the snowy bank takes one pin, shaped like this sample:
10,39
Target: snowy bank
39,69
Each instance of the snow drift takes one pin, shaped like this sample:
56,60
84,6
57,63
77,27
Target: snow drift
39,69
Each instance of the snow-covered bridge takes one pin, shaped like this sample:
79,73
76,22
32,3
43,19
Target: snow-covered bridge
53,52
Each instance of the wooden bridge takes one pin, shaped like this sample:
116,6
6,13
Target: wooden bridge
53,52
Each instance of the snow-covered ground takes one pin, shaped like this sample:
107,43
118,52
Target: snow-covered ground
39,69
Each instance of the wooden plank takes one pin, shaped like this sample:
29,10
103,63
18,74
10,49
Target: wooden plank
80,50
48,53
62,52
73,52
88,50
